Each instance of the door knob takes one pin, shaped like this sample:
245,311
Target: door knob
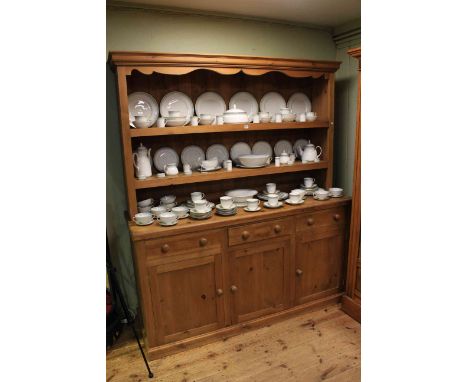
233,288
203,242
165,248
310,221
298,272
219,292
245,235
336,217
277,228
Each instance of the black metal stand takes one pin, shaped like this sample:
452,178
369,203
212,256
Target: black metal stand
130,321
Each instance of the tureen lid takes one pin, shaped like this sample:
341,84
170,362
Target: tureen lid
234,110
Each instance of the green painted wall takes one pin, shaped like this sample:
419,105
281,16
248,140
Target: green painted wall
152,31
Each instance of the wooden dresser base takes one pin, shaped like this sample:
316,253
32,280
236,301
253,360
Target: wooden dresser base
351,308
229,331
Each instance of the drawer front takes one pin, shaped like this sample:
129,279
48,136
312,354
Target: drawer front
200,242
321,220
260,231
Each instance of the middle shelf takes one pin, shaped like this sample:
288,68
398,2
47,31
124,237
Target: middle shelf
197,177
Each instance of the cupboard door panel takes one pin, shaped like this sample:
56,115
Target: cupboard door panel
259,279
319,265
185,297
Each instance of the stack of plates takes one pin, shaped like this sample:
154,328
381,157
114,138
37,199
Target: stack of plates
309,190
220,210
264,195
194,214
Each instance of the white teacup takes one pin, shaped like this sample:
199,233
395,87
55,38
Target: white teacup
252,204
144,209
285,110
206,119
161,122
301,117
143,218
311,116
295,196
300,191
194,120
256,118
321,194
335,191
167,218
197,196
209,164
226,202
180,211
273,199
264,114
271,188
309,182
141,122
278,118
175,114
220,120
158,210
200,205
168,199
146,202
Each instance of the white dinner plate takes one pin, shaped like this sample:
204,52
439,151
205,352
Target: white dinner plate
281,146
262,147
210,103
177,101
164,156
141,103
193,155
299,143
272,102
238,149
219,151
299,103
244,101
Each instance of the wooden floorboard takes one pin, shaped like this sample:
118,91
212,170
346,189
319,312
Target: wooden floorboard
315,346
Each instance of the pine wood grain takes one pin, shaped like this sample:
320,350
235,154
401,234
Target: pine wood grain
315,346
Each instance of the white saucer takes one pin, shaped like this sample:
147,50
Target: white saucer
309,188
257,209
280,204
151,222
289,201
263,165
315,198
167,225
211,169
184,216
338,196
195,212
221,208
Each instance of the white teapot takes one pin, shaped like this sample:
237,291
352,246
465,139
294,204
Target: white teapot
171,169
284,157
142,162
309,154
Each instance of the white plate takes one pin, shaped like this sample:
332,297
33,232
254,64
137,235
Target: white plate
263,165
177,101
281,146
262,147
244,101
219,151
299,103
193,155
151,222
141,103
321,199
272,102
163,156
238,149
211,169
337,196
255,210
210,103
281,196
280,204
299,143
289,201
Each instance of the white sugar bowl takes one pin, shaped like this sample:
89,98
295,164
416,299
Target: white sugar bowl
235,115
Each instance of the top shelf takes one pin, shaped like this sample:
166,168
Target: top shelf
203,129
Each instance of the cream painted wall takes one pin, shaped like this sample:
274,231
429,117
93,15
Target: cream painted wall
153,31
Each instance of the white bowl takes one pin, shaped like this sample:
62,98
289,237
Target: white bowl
241,195
141,122
145,203
254,160
311,119
208,164
265,120
235,116
168,199
178,121
206,120
289,117
175,113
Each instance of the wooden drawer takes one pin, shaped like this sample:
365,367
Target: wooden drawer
201,242
321,220
260,231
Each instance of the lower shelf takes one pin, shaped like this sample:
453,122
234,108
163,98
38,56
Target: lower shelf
222,174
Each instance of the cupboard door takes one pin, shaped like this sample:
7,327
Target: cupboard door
187,297
259,281
318,265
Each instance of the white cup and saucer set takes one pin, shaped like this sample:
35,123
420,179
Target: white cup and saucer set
273,201
296,197
253,205
167,219
336,192
321,194
226,207
143,218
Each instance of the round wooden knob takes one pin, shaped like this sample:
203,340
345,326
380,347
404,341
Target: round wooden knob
245,235
336,217
219,292
203,241
298,272
165,248
277,228
310,221
233,288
